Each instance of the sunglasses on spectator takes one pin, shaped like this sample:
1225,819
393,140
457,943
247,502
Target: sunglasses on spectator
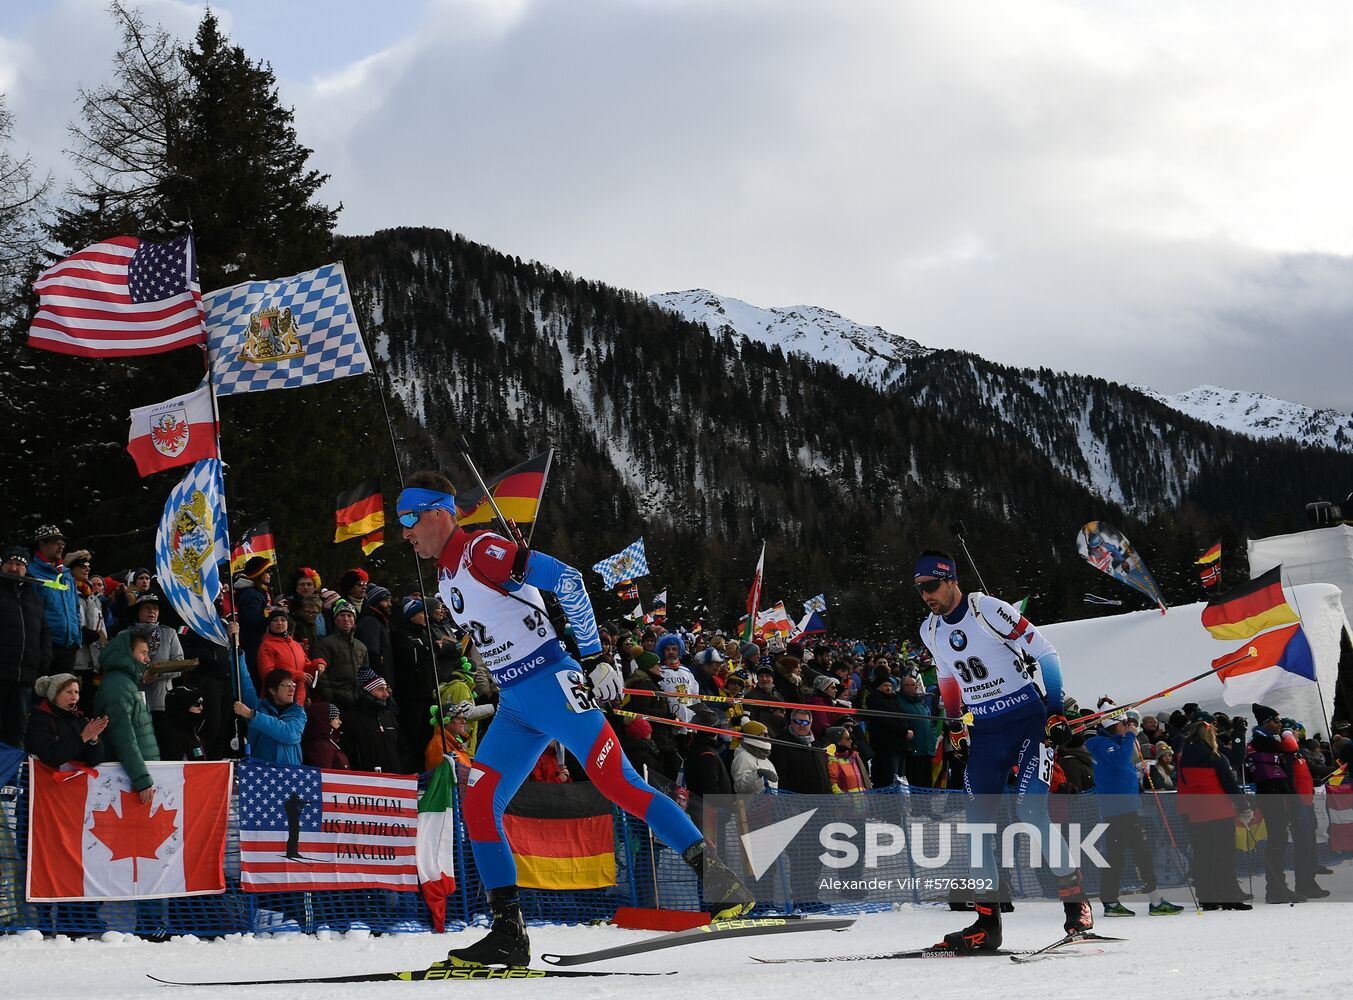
800,722
930,586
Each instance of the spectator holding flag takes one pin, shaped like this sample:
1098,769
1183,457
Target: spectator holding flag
130,735
276,722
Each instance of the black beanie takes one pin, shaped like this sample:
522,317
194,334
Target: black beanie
1262,713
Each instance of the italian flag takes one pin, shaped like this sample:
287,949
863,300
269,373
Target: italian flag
436,843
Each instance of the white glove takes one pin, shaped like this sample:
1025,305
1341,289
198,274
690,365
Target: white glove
607,684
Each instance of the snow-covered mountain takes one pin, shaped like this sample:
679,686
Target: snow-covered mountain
1260,416
870,353
879,357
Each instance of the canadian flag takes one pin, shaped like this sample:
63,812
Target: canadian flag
179,431
91,837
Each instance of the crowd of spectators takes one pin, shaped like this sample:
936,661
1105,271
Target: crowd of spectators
94,669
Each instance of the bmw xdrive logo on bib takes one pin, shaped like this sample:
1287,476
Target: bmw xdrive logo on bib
958,640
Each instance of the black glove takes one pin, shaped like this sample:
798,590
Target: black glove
1058,730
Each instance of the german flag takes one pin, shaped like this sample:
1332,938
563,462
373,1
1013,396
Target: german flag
516,491
373,541
1210,556
563,836
1245,611
360,511
257,541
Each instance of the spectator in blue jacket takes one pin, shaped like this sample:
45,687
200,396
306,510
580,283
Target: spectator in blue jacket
276,722
63,602
1118,789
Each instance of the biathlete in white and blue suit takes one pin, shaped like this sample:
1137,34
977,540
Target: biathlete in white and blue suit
493,590
989,659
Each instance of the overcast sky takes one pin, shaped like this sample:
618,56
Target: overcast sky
1154,193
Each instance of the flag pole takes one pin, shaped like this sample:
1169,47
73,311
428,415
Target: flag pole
417,563
1319,689
544,481
241,729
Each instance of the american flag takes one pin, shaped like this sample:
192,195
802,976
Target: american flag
122,297
305,828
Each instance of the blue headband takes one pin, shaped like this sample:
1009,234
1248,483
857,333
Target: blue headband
939,567
414,498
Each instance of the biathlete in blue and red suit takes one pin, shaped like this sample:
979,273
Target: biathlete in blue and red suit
493,590
987,655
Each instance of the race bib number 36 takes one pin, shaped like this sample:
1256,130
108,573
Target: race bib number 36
576,691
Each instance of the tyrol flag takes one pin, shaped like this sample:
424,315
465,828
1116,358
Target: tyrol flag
191,540
517,493
123,297
284,333
179,431
562,835
91,837
1282,659
754,598
257,541
360,510
1106,549
627,564
1247,610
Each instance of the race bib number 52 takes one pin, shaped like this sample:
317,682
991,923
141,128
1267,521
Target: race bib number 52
576,690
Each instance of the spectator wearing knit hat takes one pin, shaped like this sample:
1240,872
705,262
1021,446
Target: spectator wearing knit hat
252,600
93,631
753,771
322,740
279,650
345,655
373,628
58,732
25,643
306,584
164,647
63,601
372,726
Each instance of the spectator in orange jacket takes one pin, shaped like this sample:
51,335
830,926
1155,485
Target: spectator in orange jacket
279,651
844,766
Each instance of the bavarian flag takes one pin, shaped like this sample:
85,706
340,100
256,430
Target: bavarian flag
1245,611
517,493
562,835
360,511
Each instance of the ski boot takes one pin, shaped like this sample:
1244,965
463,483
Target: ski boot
983,934
506,943
728,898
1078,917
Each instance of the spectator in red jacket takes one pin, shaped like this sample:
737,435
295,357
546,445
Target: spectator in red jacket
279,651
1210,799
550,768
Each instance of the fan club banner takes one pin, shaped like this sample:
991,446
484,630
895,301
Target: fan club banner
306,828
90,837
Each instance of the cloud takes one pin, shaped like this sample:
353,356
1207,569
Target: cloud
1152,194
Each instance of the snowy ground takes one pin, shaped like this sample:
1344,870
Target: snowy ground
1271,952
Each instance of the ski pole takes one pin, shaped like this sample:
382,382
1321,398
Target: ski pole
957,529
1178,854
966,718
1084,722
510,527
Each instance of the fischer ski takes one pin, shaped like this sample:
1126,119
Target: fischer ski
439,972
889,956
715,931
1070,940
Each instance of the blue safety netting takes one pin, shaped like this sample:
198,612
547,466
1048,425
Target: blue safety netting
647,875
